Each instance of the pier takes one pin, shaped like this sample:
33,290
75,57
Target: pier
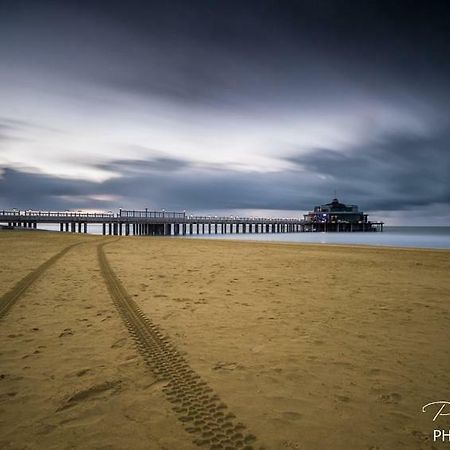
165,223
149,223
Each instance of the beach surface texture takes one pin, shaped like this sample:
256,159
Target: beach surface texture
176,344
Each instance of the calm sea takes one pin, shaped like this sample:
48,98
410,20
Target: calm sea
421,237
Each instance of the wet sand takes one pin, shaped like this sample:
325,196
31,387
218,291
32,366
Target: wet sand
311,347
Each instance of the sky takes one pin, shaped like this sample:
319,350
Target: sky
261,108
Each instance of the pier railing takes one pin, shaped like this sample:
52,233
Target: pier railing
31,213
151,214
170,222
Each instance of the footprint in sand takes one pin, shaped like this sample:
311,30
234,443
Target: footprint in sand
221,365
420,435
119,343
291,415
343,398
201,301
66,332
392,397
95,391
291,445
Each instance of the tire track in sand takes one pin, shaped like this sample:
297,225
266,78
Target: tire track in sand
7,300
202,412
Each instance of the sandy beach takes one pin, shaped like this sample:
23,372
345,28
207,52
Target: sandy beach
309,347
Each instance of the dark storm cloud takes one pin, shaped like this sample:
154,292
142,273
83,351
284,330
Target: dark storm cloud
393,173
224,53
230,53
32,190
399,172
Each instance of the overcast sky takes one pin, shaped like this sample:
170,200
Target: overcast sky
254,107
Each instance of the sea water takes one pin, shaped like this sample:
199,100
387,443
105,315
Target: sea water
420,237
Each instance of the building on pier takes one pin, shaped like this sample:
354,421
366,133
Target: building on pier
337,216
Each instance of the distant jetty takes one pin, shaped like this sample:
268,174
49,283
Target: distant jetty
331,217
339,217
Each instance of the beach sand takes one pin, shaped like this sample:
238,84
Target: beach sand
312,347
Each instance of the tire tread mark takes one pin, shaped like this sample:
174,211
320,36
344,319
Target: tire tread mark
10,298
200,410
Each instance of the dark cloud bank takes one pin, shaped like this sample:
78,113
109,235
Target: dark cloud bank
401,172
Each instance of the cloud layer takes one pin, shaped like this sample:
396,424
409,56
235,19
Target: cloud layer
398,173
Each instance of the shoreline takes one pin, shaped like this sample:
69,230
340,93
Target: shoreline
253,241
324,244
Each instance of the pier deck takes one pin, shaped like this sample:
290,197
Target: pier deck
158,223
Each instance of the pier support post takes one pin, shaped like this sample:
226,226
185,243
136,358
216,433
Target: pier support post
104,229
85,227
61,227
